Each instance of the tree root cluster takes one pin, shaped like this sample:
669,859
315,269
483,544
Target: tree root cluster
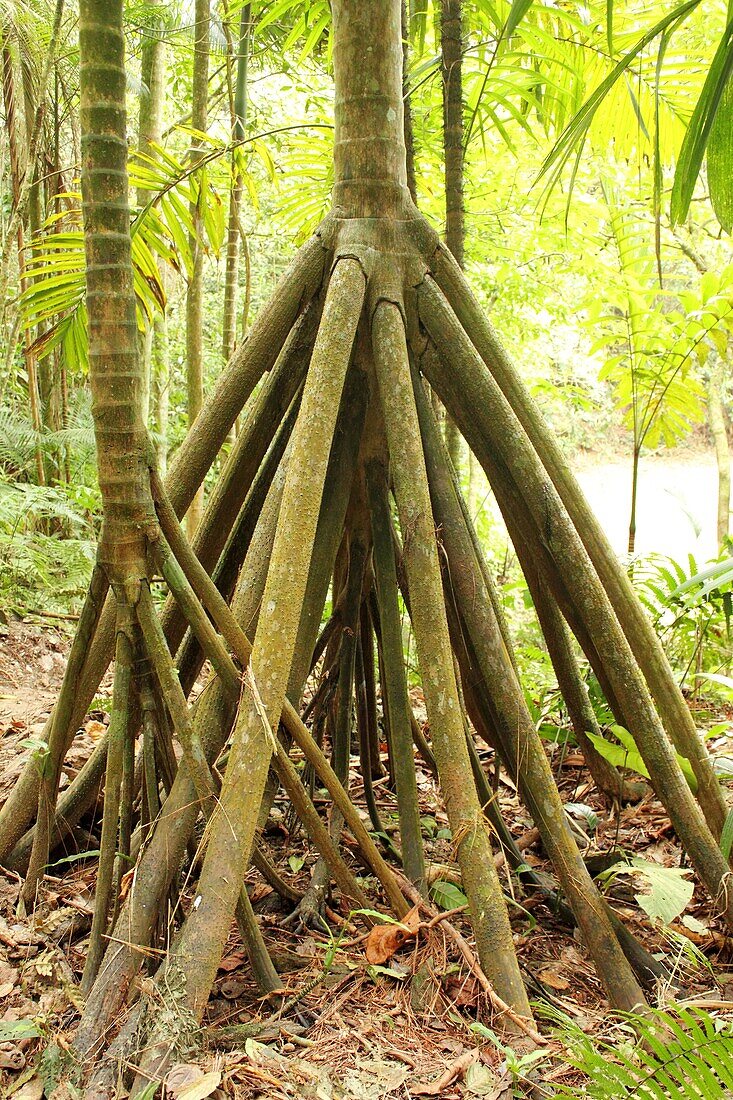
337,422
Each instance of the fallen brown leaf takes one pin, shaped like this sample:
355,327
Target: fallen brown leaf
385,939
232,961
553,978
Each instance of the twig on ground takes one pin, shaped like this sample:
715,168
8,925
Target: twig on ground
472,962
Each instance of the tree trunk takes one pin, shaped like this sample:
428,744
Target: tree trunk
718,430
239,122
195,295
451,69
150,133
115,367
18,172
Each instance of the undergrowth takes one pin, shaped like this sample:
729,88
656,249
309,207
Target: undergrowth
678,1053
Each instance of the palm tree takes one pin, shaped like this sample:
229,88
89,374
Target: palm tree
372,307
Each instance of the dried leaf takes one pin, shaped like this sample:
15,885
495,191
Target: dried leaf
187,1081
199,1090
480,1081
232,961
553,978
384,940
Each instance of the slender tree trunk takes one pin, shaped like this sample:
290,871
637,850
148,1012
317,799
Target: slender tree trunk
451,69
18,173
18,212
115,367
635,459
150,133
239,122
718,430
195,295
409,129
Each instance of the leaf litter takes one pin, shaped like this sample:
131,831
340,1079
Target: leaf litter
393,1013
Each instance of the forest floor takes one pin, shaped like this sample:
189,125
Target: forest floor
408,1025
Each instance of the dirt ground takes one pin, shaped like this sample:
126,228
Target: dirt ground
349,1028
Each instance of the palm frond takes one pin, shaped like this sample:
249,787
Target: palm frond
570,144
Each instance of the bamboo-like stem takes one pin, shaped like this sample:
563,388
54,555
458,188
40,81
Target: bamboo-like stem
197,452
195,289
239,121
645,644
716,423
182,557
646,967
395,680
339,479
383,688
123,861
230,677
408,128
489,917
370,174
233,826
150,133
316,829
151,793
357,556
237,544
242,534
264,972
533,555
48,784
422,746
366,715
367,638
570,682
520,742
18,212
258,426
499,436
118,735
328,777
11,125
190,741
355,551
167,844
263,969
451,60
451,69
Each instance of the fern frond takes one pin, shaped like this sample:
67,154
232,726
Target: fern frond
671,1054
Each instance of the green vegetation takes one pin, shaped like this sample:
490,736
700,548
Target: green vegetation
222,266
